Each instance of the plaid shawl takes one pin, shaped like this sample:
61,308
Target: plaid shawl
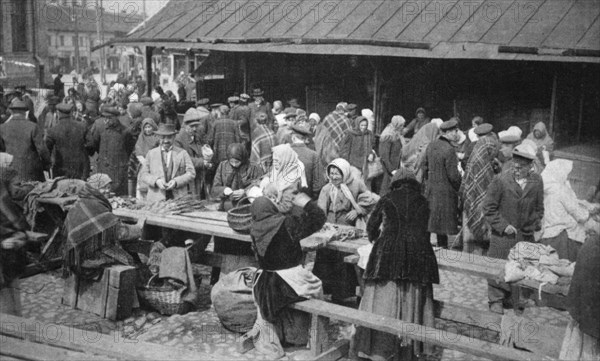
224,133
329,136
263,141
478,176
90,227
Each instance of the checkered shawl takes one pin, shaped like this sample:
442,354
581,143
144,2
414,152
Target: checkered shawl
263,140
478,176
90,226
329,136
224,133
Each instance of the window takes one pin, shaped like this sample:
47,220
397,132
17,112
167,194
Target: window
19,25
62,40
73,40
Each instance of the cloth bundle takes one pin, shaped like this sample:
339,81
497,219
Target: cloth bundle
536,262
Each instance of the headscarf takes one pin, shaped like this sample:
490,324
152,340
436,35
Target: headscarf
146,142
237,151
427,134
437,121
349,186
514,130
266,222
291,170
368,113
545,140
392,131
315,116
557,172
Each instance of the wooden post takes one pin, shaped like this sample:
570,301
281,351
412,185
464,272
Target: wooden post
244,64
149,50
376,95
580,120
553,106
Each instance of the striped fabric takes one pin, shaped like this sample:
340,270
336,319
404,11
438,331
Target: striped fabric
263,140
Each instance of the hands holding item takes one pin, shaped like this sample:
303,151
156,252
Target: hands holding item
171,185
510,230
301,199
351,216
160,183
237,195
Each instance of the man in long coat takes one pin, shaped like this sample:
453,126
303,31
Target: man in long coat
114,145
440,169
188,140
260,105
25,142
49,116
224,132
312,167
513,207
242,114
66,142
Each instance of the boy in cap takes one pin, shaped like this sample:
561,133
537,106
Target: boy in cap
513,207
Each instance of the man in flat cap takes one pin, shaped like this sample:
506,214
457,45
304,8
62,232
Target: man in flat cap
260,105
478,175
513,207
202,106
241,114
508,141
114,143
66,143
188,140
312,168
24,140
148,111
440,171
285,131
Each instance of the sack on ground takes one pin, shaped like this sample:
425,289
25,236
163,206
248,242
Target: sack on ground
233,300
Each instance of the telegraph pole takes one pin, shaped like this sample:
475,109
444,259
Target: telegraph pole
100,36
76,24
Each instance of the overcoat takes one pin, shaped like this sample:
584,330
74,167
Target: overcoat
183,173
66,141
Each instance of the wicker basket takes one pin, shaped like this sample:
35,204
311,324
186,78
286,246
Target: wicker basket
240,217
165,299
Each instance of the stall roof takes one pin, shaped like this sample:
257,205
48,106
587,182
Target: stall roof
549,30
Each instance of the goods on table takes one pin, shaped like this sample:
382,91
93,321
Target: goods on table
346,234
173,206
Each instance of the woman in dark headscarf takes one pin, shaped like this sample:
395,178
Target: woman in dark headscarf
235,174
400,272
281,279
358,145
92,232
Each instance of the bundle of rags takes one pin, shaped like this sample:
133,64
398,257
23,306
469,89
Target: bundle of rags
92,241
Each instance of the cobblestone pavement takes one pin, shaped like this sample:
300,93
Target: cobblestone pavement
201,330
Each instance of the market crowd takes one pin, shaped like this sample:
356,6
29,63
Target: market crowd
476,189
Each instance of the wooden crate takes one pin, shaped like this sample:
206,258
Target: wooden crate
112,296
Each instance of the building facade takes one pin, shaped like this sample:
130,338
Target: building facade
22,53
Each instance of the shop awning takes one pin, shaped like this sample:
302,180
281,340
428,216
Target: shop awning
542,30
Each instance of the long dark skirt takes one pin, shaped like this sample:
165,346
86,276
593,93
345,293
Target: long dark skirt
403,300
565,247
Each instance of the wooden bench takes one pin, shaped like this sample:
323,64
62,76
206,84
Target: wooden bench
321,311
27,339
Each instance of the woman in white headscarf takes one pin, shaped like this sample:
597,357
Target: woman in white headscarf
391,142
566,218
287,173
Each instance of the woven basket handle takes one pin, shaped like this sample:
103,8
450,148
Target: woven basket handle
243,201
150,280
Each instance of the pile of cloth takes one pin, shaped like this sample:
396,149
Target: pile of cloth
54,188
537,262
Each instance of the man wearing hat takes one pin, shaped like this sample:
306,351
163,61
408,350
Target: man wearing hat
202,106
260,106
188,140
284,132
24,140
413,127
223,132
513,207
168,169
478,175
352,112
49,115
440,170
148,111
308,157
114,143
66,144
508,142
241,114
